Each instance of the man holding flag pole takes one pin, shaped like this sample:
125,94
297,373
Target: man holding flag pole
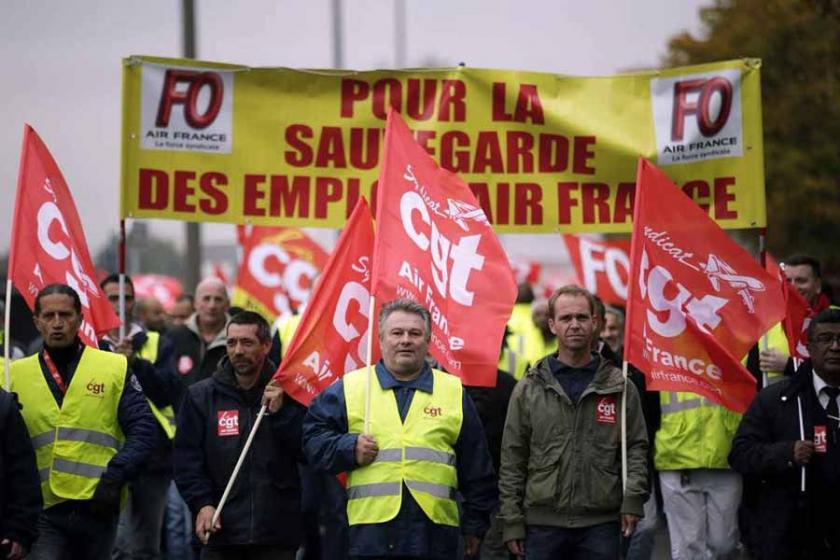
84,410
424,446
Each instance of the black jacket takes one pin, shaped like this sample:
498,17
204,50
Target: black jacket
193,359
213,423
20,488
777,520
492,404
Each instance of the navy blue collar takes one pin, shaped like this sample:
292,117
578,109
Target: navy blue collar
423,382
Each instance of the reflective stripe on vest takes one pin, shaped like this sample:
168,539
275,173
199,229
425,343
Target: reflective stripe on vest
694,433
73,444
166,415
418,452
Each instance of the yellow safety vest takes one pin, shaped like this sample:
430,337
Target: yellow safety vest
418,452
73,444
521,318
694,433
286,331
513,363
166,415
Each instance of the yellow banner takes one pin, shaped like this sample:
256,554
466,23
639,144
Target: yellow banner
543,153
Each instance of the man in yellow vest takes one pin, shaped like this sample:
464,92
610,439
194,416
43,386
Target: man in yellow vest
150,359
804,274
700,493
90,426
424,448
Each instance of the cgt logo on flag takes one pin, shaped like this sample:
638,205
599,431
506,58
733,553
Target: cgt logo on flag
605,410
186,109
228,422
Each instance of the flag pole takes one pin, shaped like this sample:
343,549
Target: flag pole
122,279
6,351
369,359
762,258
238,466
624,430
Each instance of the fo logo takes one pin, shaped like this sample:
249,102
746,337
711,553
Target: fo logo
227,422
701,106
186,109
697,116
174,94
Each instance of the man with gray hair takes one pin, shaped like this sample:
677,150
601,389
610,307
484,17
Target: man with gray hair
425,445
200,342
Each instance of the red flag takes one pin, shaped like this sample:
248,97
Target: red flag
602,266
798,313
165,289
332,336
278,268
435,245
48,242
697,301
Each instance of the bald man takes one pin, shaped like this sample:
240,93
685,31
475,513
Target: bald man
200,342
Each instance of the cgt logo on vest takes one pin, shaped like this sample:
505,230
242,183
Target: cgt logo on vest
605,410
227,422
433,411
95,389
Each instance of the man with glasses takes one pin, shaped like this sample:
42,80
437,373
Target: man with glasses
788,446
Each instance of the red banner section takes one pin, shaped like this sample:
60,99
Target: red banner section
278,268
697,301
435,245
48,243
165,289
333,334
602,267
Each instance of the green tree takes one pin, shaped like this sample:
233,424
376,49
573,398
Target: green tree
799,44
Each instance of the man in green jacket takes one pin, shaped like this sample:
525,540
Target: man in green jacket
560,481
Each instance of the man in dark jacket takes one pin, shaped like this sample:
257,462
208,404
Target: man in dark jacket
788,449
199,344
261,518
141,520
20,490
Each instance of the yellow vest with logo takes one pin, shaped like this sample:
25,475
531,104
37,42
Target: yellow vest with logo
695,433
73,444
166,415
418,452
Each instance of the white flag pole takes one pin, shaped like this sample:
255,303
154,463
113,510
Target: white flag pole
6,350
369,359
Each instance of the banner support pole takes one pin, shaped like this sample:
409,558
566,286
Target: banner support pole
762,258
121,253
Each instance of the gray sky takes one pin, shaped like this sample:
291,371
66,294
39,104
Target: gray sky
61,63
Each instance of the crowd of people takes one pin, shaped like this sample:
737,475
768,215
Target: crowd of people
126,450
